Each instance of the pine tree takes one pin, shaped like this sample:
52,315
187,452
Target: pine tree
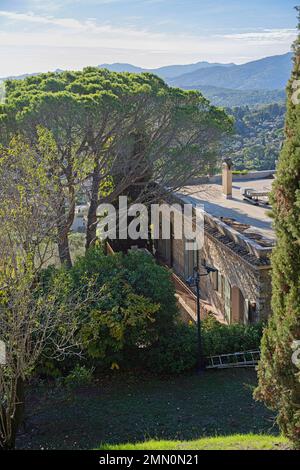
279,376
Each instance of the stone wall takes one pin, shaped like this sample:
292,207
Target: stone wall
246,282
253,282
265,293
217,179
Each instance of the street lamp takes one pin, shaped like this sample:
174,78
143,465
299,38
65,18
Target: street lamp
194,281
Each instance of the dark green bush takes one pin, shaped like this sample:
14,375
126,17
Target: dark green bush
132,304
174,353
80,376
225,339
132,321
135,307
177,352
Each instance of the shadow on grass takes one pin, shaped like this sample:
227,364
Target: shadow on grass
124,408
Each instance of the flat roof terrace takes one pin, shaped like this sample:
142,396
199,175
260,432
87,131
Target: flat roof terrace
236,212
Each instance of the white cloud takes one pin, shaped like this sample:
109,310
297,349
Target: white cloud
69,23
75,43
55,5
72,25
68,28
267,35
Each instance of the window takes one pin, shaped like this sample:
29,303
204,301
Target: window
252,310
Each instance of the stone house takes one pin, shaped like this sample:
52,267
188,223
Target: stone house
238,240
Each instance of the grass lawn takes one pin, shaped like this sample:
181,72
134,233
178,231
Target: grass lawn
121,408
236,442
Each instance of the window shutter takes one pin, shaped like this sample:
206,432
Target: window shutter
247,308
215,280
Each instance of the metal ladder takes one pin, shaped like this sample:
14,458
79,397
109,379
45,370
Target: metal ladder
227,361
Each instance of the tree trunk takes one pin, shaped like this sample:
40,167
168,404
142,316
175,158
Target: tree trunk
64,250
65,219
7,444
10,443
8,438
91,230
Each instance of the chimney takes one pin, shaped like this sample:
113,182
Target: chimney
227,178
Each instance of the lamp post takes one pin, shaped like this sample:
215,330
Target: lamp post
194,281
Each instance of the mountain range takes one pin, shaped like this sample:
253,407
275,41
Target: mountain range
270,73
255,83
167,72
258,82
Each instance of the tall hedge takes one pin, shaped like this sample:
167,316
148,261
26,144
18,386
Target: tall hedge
279,377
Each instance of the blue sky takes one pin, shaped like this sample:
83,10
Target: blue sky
41,35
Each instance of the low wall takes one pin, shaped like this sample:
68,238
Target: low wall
217,179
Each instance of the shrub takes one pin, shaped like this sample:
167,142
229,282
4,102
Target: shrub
240,172
225,339
177,352
132,320
133,303
80,376
135,306
154,282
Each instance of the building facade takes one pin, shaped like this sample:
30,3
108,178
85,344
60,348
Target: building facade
238,241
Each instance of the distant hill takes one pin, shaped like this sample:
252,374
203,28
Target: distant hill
271,73
231,98
259,133
25,75
122,68
255,83
167,72
18,77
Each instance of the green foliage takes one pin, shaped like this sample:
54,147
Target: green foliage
2,92
279,378
177,351
240,172
77,242
258,137
88,97
93,118
225,339
134,303
152,281
80,376
229,98
120,319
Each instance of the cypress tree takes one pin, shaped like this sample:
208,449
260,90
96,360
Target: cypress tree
279,374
